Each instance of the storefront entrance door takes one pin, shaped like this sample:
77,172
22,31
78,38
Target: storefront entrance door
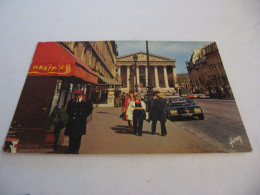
32,111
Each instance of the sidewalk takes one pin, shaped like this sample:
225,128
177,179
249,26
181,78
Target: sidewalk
108,134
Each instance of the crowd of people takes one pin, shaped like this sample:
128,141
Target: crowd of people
135,111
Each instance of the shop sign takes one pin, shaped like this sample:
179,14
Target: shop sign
50,69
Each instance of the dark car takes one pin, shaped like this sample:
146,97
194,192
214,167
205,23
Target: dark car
178,107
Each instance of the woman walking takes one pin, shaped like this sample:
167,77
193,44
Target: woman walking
136,112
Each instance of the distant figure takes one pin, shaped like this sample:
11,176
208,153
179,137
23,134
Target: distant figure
157,111
122,100
78,110
136,112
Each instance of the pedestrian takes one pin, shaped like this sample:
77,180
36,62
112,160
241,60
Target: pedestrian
122,99
157,112
128,99
78,110
136,112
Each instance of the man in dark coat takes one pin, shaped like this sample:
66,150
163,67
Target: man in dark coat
78,110
157,111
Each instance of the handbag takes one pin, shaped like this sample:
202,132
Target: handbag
122,115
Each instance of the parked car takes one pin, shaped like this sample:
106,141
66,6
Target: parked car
195,95
203,96
178,107
190,95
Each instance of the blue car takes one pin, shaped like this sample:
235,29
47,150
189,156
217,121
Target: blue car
180,107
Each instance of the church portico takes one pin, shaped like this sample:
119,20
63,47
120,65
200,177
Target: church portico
162,72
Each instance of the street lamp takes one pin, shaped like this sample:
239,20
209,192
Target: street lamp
131,77
135,80
149,87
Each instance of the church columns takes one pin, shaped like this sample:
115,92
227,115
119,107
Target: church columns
174,76
119,71
156,76
165,77
128,76
138,76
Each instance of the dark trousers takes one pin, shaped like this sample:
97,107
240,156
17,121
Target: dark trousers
138,119
74,144
163,128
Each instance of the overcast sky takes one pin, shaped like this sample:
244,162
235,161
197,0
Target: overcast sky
180,51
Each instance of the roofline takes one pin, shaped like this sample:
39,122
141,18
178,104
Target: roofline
145,54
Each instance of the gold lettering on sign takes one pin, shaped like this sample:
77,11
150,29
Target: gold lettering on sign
50,69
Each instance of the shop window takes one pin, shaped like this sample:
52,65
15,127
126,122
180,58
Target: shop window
56,96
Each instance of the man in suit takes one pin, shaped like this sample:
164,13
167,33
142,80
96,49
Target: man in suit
157,111
78,110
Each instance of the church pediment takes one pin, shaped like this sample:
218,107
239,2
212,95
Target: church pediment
143,57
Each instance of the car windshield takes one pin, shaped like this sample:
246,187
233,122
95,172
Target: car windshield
179,102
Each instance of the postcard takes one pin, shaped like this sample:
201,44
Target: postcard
126,97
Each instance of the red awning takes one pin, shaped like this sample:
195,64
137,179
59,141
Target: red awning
53,59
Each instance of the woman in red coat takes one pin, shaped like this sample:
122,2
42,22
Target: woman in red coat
128,99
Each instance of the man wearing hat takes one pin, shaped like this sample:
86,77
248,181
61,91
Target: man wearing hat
157,112
78,110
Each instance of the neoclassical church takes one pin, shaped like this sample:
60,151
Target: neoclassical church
135,72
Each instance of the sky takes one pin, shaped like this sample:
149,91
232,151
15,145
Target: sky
180,51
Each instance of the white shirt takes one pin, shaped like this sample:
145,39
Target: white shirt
79,100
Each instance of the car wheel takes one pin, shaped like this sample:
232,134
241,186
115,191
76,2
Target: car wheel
201,116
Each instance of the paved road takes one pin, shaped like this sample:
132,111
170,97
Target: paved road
222,126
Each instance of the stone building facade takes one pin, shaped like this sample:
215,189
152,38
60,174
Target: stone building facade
206,72
100,56
163,72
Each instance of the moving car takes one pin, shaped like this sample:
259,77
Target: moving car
178,107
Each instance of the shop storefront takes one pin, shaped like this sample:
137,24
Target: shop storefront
55,73
103,94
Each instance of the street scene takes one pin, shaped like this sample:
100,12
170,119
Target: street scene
217,133
126,97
